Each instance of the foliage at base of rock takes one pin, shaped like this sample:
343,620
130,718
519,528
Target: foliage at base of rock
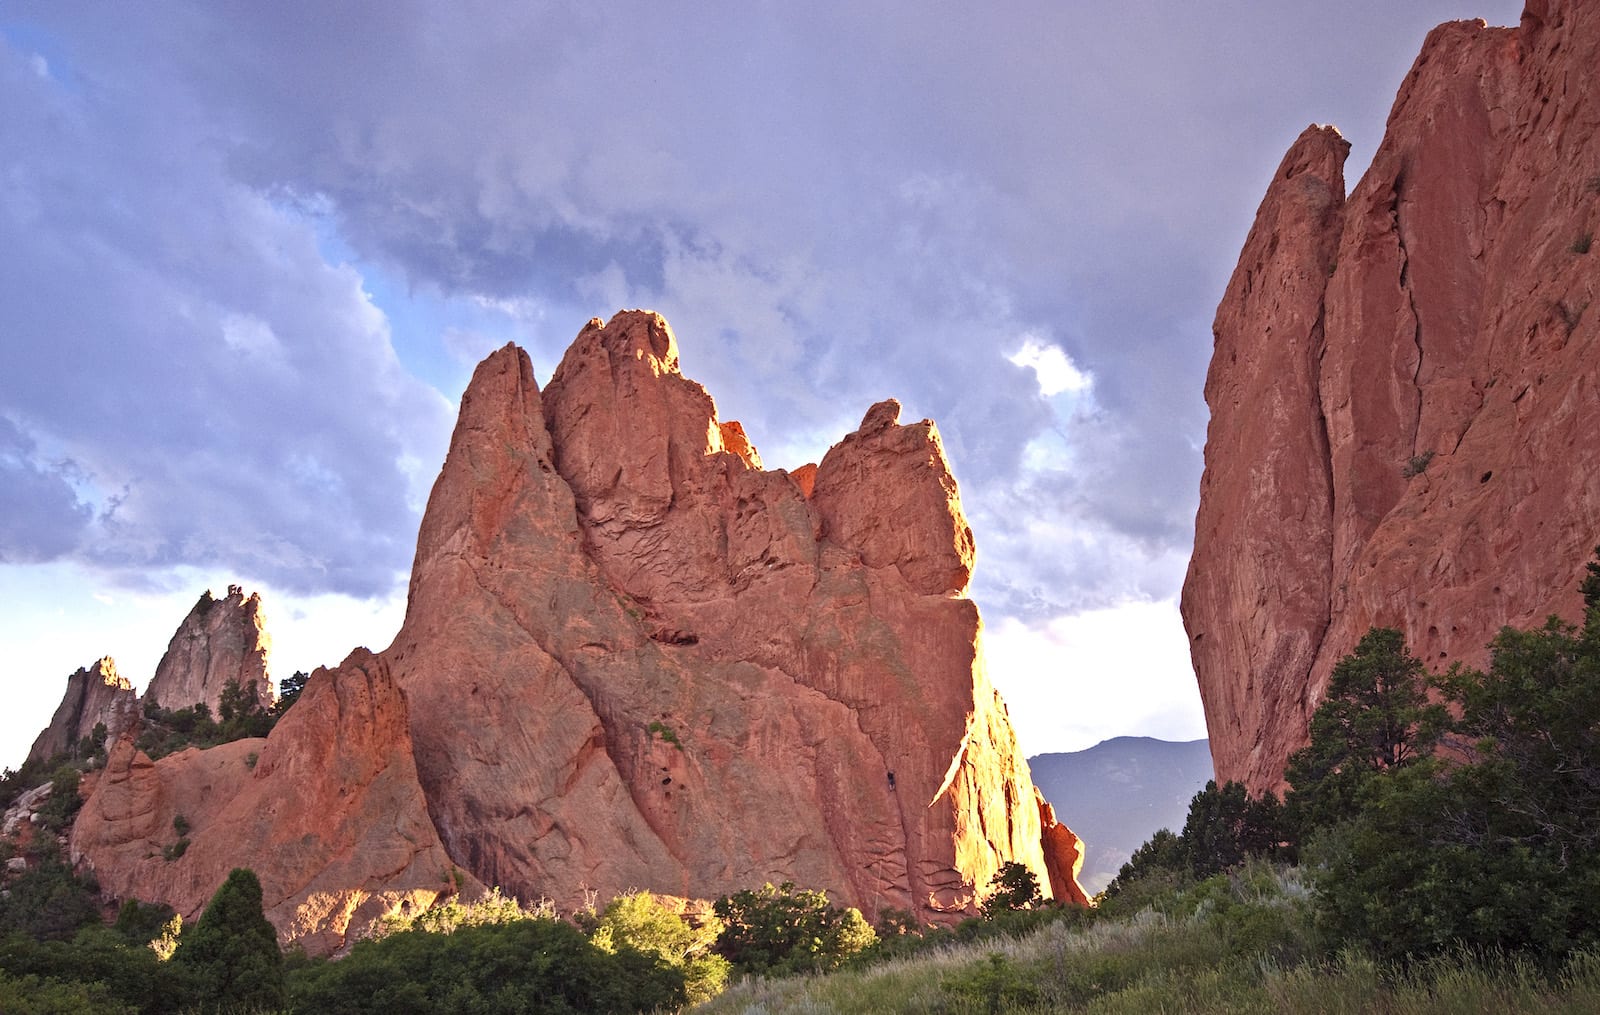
231,954
48,901
781,930
541,965
642,922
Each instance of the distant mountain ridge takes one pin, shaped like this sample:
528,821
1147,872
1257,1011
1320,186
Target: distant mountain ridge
1119,792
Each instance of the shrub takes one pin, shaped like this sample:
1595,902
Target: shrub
788,930
1416,465
640,921
57,813
666,733
539,964
49,901
98,960
449,916
240,715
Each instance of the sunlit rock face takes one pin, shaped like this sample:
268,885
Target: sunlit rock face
327,811
1403,386
631,658
221,640
95,695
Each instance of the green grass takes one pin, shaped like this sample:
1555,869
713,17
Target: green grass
1237,944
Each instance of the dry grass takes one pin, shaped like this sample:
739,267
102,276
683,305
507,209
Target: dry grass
1246,948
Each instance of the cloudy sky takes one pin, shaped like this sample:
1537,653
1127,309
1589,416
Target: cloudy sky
251,252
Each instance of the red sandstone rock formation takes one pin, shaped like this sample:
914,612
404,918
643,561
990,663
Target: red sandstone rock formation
95,694
1439,316
631,658
221,640
327,811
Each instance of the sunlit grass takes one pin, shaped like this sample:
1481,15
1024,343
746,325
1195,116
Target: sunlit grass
1241,945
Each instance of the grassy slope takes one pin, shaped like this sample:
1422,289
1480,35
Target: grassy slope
1243,944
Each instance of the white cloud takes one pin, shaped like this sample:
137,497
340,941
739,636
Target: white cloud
1054,369
1077,679
252,336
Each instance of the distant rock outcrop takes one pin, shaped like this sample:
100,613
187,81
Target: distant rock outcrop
327,810
1403,388
1119,793
631,658
94,695
221,640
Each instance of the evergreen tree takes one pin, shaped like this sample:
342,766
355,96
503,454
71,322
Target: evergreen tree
1015,888
1374,718
232,954
1225,826
1494,846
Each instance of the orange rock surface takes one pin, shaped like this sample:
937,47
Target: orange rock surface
631,658
327,811
94,695
221,640
1403,386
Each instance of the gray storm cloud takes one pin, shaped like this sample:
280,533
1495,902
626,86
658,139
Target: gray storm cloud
831,205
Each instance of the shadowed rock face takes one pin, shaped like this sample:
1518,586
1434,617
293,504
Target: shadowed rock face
221,640
94,695
632,658
1403,386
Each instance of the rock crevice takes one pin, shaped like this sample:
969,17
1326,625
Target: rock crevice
1433,469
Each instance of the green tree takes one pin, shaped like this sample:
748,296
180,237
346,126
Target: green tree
788,930
1374,718
1015,888
642,922
1590,586
1495,846
1162,855
1226,826
231,953
289,691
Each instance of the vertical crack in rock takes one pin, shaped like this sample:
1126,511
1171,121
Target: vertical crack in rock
1492,133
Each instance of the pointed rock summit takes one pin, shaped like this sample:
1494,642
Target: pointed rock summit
96,695
631,658
1403,386
221,641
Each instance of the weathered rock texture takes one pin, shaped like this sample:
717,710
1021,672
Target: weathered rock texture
633,658
95,694
221,640
327,811
1439,316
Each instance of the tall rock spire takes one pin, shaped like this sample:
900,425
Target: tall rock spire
1403,386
